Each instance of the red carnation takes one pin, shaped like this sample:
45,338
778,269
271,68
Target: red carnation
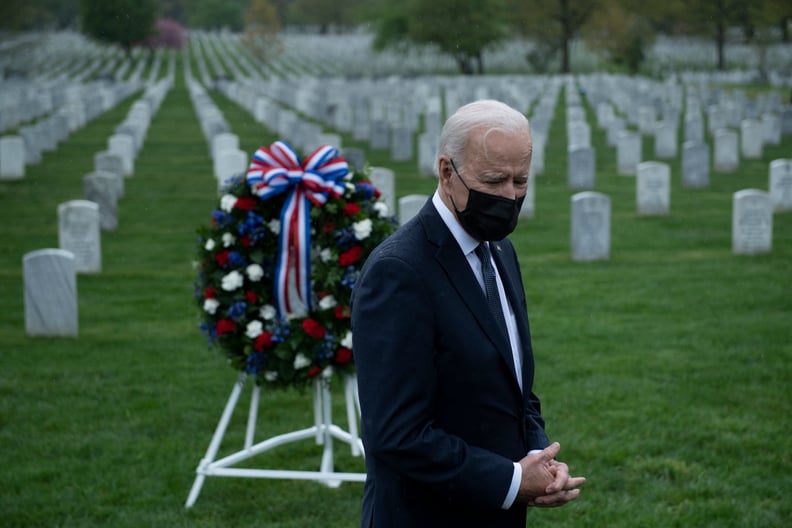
245,204
314,372
343,355
313,329
251,297
209,293
225,326
221,257
246,241
350,256
340,312
328,227
264,340
351,209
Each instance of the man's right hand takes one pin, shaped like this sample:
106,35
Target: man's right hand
545,481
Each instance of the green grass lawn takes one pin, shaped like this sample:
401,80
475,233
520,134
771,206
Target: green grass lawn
664,372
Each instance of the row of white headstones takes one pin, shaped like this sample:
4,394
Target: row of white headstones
626,109
50,274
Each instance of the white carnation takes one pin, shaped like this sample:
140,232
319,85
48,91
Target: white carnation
232,281
254,329
301,361
327,302
362,229
274,226
381,208
326,255
328,371
267,312
228,239
254,272
227,202
271,375
210,245
210,306
347,341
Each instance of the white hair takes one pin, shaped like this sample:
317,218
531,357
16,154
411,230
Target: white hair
486,113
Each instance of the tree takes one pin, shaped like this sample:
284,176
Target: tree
555,22
262,26
325,14
462,29
617,28
216,14
123,22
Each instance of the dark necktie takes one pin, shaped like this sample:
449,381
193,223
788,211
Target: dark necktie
491,287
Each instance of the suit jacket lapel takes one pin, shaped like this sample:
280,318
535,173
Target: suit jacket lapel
456,266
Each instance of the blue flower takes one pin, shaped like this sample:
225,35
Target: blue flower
236,260
253,226
208,331
256,362
222,219
365,189
350,277
237,311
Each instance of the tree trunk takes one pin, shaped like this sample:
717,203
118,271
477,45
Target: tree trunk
720,41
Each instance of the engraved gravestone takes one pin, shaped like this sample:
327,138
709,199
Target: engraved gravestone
401,143
101,187
653,188
528,208
628,152
356,158
228,163
751,138
694,128
695,165
106,161
579,135
380,135
615,127
771,129
537,153
12,158
50,283
752,222
384,180
427,153
123,145
581,168
665,139
781,185
727,157
590,233
410,205
79,232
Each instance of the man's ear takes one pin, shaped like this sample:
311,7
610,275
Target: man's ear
444,169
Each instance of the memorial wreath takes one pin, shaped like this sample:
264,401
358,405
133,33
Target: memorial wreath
278,262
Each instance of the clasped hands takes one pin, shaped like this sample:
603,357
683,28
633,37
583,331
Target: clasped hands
545,481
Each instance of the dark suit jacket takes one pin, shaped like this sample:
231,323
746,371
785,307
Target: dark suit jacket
442,414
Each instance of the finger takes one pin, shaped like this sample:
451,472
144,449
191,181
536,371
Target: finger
574,482
556,499
549,453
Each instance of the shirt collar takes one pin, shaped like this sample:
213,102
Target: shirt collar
466,242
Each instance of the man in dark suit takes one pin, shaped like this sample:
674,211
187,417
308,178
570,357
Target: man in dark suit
452,430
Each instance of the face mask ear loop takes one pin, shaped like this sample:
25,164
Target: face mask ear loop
463,183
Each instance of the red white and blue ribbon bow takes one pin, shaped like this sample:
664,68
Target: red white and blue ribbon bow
277,169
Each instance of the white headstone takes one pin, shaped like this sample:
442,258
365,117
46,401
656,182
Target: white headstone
771,129
727,157
427,153
628,152
384,180
123,145
781,184
665,144
79,232
410,205
529,203
224,141
591,218
101,187
401,143
581,168
356,158
107,161
653,188
228,163
579,135
50,280
751,138
695,165
752,222
12,157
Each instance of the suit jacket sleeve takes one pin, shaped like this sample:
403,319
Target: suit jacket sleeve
393,344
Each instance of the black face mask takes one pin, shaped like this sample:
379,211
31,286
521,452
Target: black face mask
487,216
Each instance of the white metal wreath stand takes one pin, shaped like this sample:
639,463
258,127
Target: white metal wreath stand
323,429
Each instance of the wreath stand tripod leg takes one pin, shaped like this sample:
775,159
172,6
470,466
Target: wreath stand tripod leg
323,430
